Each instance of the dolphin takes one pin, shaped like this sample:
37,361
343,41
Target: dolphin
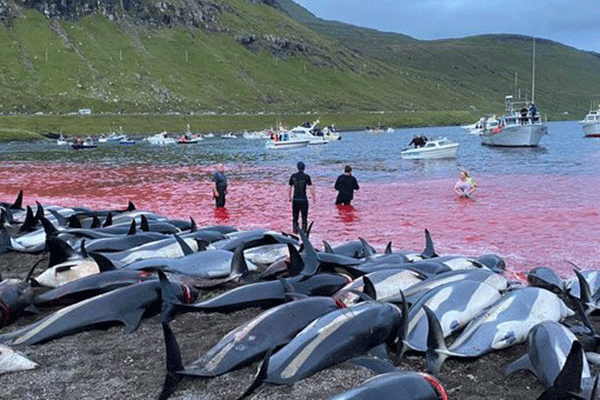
505,323
406,385
413,293
15,296
269,293
328,340
546,278
245,344
548,346
251,239
386,283
12,361
454,304
126,305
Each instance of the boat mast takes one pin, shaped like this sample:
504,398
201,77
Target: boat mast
533,75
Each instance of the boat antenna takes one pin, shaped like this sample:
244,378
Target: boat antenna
533,75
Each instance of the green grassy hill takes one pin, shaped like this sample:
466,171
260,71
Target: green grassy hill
245,56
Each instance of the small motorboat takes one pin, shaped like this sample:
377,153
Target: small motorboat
83,144
161,139
433,149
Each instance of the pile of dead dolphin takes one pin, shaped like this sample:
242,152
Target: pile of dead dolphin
322,307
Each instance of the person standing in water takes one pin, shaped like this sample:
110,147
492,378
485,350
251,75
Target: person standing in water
345,184
464,186
220,188
299,182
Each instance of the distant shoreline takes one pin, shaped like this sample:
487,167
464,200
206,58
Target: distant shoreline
25,127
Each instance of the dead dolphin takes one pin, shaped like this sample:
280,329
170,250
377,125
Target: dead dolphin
548,346
505,323
405,385
126,305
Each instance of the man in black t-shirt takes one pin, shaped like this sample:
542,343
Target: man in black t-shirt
345,184
299,181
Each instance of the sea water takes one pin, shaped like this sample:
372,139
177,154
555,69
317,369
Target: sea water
533,207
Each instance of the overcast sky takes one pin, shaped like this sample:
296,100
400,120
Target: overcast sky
575,23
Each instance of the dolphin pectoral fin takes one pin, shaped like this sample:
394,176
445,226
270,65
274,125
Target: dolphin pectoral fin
132,320
171,382
374,364
401,345
567,384
521,363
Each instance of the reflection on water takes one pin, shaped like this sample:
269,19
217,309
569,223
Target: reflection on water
533,207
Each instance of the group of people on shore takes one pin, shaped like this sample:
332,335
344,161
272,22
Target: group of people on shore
300,185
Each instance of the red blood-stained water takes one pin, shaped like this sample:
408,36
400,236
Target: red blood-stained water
528,220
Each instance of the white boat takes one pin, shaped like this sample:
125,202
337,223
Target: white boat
284,139
433,149
257,135
477,128
521,126
161,139
62,141
591,123
228,136
112,137
315,135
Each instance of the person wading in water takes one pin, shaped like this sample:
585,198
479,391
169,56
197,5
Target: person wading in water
298,182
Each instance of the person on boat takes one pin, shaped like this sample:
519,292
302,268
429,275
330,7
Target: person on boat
345,184
423,139
524,112
532,112
79,141
416,141
220,188
465,185
299,182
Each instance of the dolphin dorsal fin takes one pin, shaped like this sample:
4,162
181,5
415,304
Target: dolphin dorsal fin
144,226
109,220
132,229
388,248
238,261
429,251
311,262
296,262
130,206
49,228
187,250
18,204
60,251
95,222
327,247
368,253
30,221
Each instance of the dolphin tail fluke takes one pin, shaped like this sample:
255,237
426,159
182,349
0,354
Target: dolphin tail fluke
261,375
296,262
18,204
437,352
429,251
567,384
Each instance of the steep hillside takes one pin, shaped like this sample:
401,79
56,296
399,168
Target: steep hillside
213,56
483,68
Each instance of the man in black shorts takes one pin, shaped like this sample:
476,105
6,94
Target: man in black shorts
299,181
